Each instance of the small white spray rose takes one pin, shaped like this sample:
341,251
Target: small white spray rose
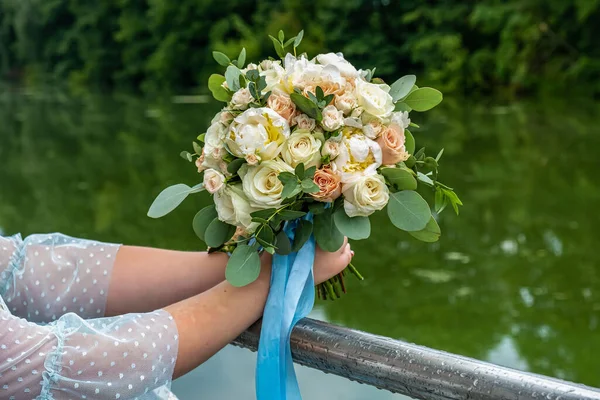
305,122
346,102
331,148
241,99
333,118
213,180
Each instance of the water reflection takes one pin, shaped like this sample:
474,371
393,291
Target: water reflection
515,279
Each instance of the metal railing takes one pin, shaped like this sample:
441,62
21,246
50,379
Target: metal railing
412,370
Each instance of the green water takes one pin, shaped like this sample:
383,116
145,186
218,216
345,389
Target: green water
514,280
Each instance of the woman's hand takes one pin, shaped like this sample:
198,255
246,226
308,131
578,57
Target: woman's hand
327,265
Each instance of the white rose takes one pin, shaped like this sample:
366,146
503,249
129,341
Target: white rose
261,185
400,118
357,112
302,147
359,155
259,131
332,118
274,75
213,180
305,122
374,99
233,207
365,195
241,99
331,148
346,102
345,68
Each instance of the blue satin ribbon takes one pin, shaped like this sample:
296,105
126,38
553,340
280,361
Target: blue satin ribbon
290,299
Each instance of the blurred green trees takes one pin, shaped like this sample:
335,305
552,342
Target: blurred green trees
513,46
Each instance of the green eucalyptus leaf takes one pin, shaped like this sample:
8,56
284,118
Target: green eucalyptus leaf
308,186
288,215
408,210
242,58
400,106
243,266
281,35
290,189
298,38
299,171
197,148
401,178
310,172
316,208
218,232
288,42
170,198
326,233
266,235
402,87
215,83
186,156
232,76
278,47
409,142
221,58
282,241
424,99
303,232
202,219
424,178
431,233
286,177
260,220
235,165
265,214
306,106
356,228
440,200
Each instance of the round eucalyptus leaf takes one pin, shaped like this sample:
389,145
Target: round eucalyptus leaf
168,200
400,178
243,266
282,241
326,233
202,219
431,233
424,99
408,211
218,232
356,228
409,143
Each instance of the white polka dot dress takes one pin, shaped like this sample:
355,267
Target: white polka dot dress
73,352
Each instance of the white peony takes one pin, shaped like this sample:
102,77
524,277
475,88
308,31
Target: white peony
241,99
333,118
374,99
337,60
261,185
274,75
258,131
358,156
213,180
302,147
233,207
400,118
365,195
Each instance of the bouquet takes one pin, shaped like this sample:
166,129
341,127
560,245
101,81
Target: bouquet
304,151
298,137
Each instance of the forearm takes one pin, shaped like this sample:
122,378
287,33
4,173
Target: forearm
145,279
209,321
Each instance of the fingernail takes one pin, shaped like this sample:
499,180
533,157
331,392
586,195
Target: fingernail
352,252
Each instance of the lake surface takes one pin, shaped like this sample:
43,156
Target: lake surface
515,279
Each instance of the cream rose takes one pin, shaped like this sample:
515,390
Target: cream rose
374,99
282,104
259,131
365,195
213,180
261,185
302,147
241,99
329,183
332,118
305,122
331,148
252,159
233,207
392,141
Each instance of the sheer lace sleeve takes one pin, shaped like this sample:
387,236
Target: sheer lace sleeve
126,357
46,276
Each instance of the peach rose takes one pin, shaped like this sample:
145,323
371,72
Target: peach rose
282,104
200,161
391,142
330,184
252,159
